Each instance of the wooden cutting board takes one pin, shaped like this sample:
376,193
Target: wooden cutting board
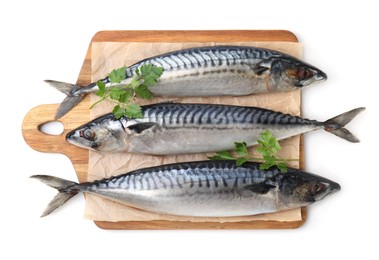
42,114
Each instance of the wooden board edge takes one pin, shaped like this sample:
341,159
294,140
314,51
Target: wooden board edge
194,35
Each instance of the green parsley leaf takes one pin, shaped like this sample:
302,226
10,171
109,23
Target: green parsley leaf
277,145
150,74
117,75
124,98
144,92
262,151
241,161
101,86
241,148
116,93
282,166
135,83
223,155
266,136
118,112
270,159
264,166
133,111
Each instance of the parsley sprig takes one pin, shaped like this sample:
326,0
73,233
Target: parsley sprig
123,95
268,148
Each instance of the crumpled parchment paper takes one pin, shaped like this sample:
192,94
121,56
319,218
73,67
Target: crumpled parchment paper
107,56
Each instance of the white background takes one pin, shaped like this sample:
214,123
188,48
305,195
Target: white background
48,40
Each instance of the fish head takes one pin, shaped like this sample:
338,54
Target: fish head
103,134
301,189
288,74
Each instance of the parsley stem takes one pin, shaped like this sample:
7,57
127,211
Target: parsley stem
100,100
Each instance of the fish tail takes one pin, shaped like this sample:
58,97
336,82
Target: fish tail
70,101
67,190
336,125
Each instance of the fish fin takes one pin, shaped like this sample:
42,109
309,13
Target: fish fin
260,188
65,88
70,101
260,69
140,127
336,125
67,104
67,190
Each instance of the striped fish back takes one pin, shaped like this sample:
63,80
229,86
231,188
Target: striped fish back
207,57
208,114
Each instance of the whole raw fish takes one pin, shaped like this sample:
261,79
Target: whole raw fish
212,71
202,189
174,128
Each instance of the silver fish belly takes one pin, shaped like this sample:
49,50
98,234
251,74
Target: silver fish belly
203,189
171,128
213,71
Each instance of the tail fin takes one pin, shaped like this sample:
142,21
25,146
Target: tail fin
336,125
70,101
67,190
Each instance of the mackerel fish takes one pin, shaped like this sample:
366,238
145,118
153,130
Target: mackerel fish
174,128
202,189
211,71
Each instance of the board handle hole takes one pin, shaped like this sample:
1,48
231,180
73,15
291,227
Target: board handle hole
52,128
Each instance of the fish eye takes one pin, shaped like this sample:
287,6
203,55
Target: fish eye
303,73
89,134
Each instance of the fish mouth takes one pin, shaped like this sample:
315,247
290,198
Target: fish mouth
73,138
332,188
321,76
70,135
